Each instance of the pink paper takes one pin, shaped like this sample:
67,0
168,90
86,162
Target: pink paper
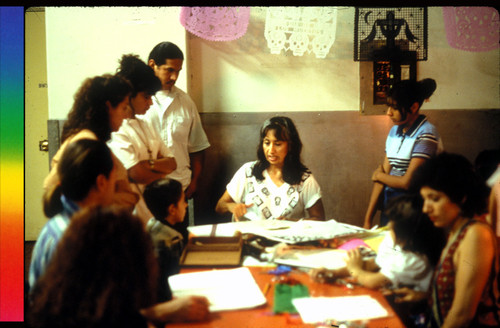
216,23
472,28
352,244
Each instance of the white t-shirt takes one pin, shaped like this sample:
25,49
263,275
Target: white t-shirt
175,116
270,201
403,268
130,144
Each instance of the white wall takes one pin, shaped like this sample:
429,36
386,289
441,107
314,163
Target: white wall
88,41
242,75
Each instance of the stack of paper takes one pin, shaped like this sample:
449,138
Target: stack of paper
228,289
349,308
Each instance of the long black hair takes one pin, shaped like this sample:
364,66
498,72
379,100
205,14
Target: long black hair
284,130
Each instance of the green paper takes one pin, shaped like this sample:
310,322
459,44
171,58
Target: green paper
284,294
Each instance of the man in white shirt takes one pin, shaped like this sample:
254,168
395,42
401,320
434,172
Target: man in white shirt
174,114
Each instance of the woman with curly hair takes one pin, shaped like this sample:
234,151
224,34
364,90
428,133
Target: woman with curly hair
99,108
277,185
104,274
137,144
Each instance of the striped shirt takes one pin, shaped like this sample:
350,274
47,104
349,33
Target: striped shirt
421,140
48,239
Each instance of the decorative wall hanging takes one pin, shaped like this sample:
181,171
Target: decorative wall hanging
216,23
385,32
301,29
472,28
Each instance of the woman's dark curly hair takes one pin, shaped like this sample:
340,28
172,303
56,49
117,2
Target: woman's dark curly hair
453,175
284,130
102,272
413,229
90,111
141,76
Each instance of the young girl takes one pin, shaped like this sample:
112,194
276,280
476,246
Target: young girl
411,141
137,143
405,257
166,200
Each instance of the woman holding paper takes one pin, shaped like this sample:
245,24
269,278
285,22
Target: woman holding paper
277,185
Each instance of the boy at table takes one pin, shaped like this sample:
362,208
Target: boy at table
166,200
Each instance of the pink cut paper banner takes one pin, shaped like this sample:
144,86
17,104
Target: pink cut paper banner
472,28
216,23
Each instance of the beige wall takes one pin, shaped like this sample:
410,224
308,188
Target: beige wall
36,162
84,42
242,75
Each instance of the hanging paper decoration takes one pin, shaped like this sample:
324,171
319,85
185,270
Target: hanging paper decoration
378,30
216,23
301,29
472,28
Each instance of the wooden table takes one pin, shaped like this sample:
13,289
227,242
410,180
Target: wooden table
263,317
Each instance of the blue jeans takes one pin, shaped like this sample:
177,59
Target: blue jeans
389,193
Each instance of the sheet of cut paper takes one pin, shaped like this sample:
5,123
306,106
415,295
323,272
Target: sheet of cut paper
290,232
226,289
347,308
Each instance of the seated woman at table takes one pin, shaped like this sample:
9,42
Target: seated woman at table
87,177
406,256
464,290
277,185
167,201
104,275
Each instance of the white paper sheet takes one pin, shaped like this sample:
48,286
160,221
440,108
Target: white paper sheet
226,289
289,232
322,309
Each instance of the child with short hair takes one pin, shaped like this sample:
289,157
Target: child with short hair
167,202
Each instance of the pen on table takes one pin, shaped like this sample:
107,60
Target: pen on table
266,288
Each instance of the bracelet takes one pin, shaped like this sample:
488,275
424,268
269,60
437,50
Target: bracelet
151,163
